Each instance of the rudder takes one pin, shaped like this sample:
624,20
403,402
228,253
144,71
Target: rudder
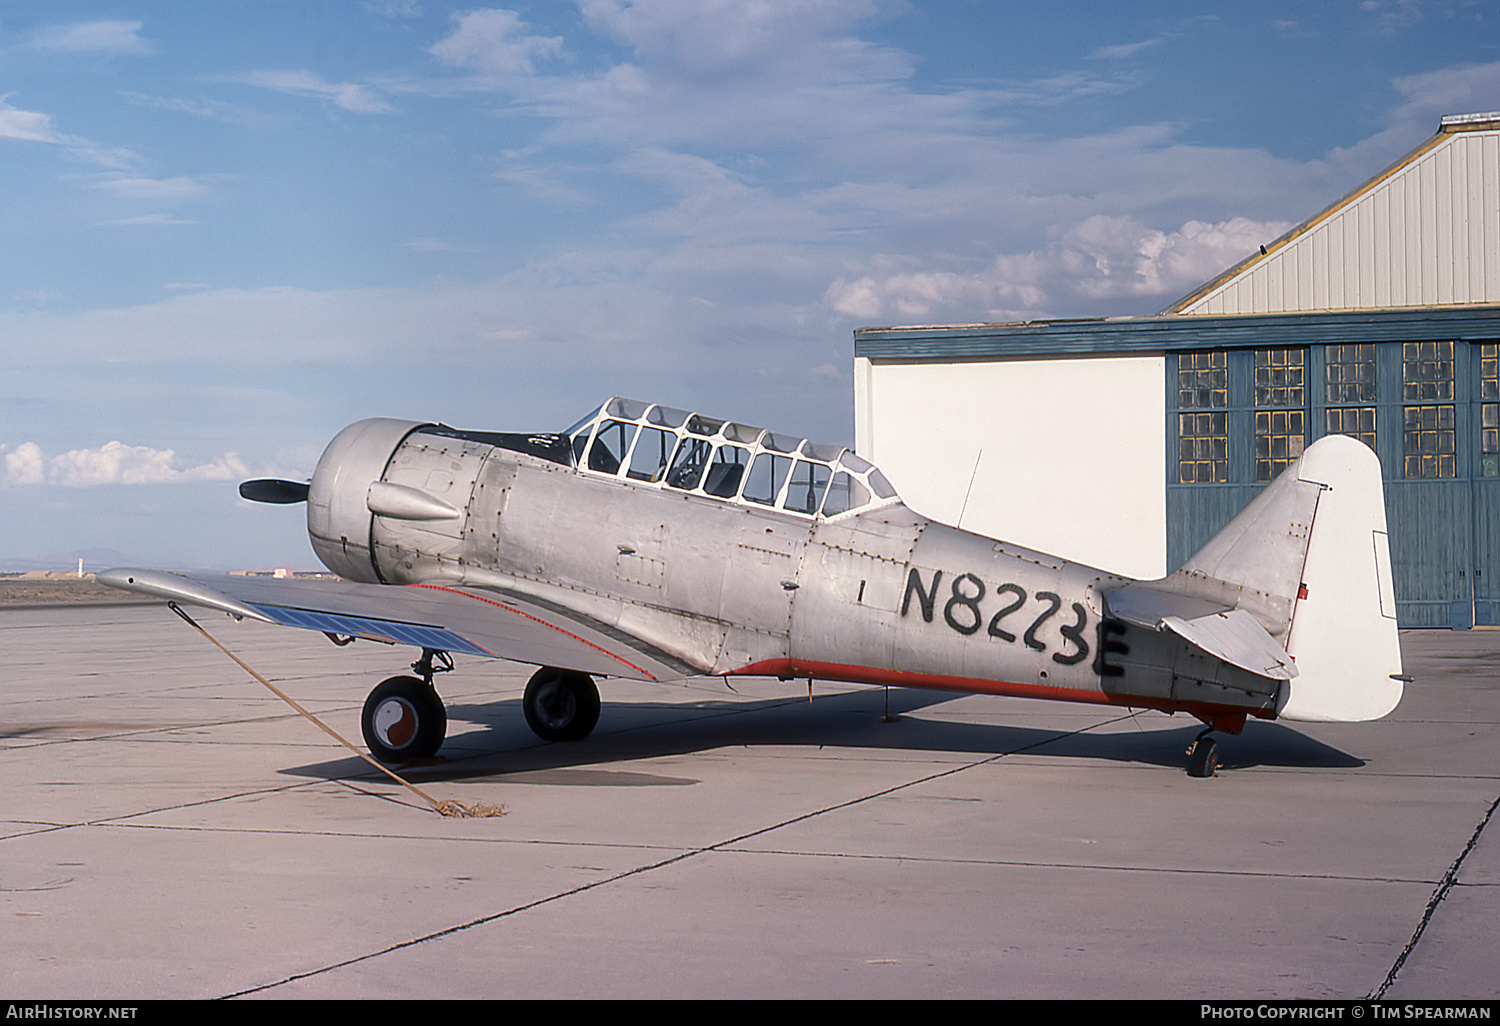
1343,633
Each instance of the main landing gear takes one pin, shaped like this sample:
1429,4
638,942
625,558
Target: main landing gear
561,705
404,718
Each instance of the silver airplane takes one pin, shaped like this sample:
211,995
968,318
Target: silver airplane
655,544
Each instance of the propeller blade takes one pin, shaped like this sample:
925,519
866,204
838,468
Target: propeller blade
269,489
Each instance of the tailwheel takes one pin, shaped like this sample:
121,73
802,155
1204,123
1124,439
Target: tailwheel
561,705
1203,757
404,719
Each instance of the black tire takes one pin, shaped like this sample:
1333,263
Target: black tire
561,705
404,719
1204,760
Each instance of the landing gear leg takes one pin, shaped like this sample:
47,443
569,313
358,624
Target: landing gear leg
404,718
1203,756
561,705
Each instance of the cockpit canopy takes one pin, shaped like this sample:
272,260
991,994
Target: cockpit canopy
657,444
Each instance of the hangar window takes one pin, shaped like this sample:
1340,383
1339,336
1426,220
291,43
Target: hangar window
1429,442
1427,371
1203,448
1279,377
1349,378
1279,438
1489,410
1354,421
1203,380
1203,437
1349,373
1428,429
1280,434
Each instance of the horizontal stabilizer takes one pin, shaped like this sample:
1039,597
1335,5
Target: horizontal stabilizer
1147,606
1238,638
1232,635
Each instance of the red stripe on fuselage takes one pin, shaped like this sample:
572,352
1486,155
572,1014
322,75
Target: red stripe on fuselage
1225,718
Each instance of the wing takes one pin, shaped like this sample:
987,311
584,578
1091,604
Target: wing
476,621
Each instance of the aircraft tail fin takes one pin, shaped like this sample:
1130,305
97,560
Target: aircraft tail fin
1343,630
1296,587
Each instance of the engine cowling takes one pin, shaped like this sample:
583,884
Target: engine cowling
338,514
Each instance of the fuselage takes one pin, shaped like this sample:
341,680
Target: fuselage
707,574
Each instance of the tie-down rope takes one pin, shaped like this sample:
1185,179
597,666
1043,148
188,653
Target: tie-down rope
443,808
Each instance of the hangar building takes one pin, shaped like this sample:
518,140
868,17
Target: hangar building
1127,442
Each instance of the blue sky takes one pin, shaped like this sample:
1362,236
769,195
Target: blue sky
231,228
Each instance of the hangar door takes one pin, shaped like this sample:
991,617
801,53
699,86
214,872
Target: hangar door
1430,410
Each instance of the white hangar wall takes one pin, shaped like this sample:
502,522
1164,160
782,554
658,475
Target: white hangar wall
1062,455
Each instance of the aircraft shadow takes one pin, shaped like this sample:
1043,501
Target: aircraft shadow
853,719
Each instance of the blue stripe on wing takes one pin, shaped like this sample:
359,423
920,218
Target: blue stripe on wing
414,634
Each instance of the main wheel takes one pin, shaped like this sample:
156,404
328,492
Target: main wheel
561,705
404,719
1204,758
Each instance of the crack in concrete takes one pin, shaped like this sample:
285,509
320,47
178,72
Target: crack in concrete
1444,886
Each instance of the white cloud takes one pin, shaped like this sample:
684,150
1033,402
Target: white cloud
348,96
178,188
26,465
111,37
1394,15
590,323
201,107
146,219
1123,51
1101,258
737,73
733,39
495,41
26,125
111,464
33,126
1461,89
394,8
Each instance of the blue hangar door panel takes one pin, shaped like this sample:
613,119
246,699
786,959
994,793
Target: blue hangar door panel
1485,572
1431,552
